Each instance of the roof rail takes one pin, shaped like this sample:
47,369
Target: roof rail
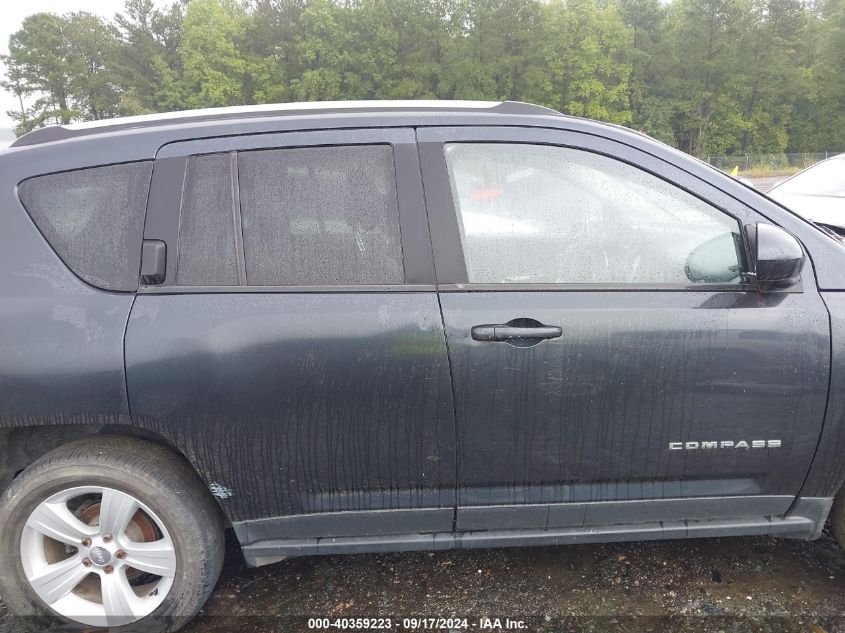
73,130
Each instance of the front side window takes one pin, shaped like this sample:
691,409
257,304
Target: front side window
547,214
320,216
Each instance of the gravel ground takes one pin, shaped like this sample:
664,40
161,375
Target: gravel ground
764,183
740,584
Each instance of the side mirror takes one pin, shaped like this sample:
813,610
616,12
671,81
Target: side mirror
778,256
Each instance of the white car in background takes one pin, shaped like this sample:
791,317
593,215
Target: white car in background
817,193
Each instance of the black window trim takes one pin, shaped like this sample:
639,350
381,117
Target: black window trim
240,254
445,232
334,289
164,209
595,287
164,212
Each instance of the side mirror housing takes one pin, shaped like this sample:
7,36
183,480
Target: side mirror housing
777,256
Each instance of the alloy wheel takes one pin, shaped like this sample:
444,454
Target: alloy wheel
98,556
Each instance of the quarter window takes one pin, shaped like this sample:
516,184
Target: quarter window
547,214
94,219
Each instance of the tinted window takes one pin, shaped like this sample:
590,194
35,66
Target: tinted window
94,219
207,229
544,214
320,216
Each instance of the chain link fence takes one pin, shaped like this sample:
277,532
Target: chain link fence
767,164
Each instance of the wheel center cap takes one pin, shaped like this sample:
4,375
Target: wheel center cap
100,556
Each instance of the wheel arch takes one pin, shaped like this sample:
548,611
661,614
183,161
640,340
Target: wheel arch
23,445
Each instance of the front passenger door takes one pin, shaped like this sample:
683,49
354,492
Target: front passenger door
590,363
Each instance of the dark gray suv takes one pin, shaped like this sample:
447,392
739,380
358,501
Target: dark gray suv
364,327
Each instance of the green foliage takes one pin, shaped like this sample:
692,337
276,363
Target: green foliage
214,71
819,120
63,63
709,76
586,69
147,64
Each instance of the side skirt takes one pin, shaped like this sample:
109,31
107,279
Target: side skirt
805,520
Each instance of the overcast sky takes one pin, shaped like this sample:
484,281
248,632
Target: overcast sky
12,14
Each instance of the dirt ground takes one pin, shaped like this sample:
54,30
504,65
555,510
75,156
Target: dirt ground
764,183
740,584
729,585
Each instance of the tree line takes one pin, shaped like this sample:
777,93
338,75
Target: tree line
712,77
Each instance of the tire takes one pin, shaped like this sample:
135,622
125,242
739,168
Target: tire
837,517
174,509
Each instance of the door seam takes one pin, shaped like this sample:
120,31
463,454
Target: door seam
454,414
826,403
125,369
445,338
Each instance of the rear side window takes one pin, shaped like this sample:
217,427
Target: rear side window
320,216
94,219
207,229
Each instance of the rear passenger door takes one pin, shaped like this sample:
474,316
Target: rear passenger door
293,343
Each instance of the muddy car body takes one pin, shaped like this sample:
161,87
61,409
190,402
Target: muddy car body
364,327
